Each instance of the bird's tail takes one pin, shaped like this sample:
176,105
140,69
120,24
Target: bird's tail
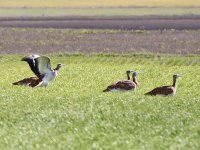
150,93
106,90
15,83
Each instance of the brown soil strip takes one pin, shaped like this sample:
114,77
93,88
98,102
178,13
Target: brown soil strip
25,41
128,23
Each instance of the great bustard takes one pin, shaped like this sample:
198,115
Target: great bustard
41,67
165,90
123,85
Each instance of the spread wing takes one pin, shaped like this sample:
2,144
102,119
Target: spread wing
32,63
43,65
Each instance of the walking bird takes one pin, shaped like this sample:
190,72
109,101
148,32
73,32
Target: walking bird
41,67
165,90
123,85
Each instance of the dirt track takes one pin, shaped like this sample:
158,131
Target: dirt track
149,23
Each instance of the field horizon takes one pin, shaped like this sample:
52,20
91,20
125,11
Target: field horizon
73,112
90,3
97,11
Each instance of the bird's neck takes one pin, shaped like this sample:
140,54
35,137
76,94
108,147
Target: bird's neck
128,76
55,71
57,68
174,83
135,80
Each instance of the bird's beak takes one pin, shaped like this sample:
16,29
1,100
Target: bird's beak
137,72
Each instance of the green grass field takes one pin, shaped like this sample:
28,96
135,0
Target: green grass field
97,8
73,113
97,11
96,3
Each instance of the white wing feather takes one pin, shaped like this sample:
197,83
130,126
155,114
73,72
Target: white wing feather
43,64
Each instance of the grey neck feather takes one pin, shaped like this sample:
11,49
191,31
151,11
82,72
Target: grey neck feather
135,80
57,68
128,76
174,81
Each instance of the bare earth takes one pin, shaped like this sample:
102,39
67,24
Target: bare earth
25,41
129,23
157,34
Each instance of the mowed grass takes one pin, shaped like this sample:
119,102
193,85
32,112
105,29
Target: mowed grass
6,12
97,3
74,113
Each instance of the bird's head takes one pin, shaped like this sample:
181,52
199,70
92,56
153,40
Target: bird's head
128,72
135,73
175,76
58,66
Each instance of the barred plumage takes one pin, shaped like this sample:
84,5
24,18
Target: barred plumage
165,90
123,85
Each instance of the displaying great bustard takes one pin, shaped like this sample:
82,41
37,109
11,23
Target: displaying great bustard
123,85
40,65
165,90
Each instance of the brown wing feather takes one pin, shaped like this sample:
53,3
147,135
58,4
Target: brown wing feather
163,90
32,82
126,85
112,86
123,85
